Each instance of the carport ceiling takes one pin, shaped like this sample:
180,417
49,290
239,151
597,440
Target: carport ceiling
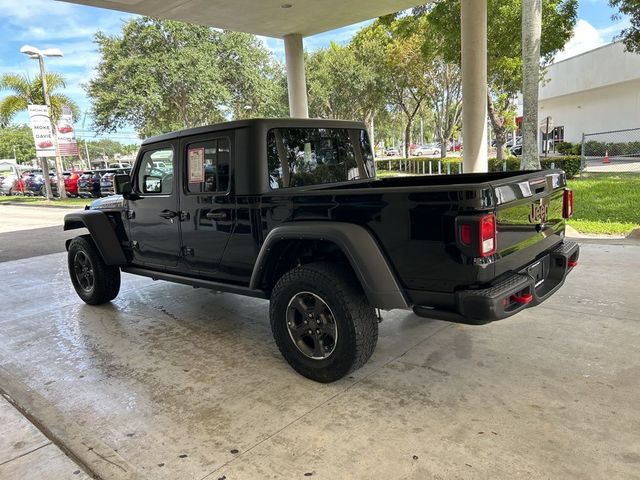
272,18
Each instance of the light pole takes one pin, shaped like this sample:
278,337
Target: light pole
36,53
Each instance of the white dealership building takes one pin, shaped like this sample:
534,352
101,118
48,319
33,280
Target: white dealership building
597,91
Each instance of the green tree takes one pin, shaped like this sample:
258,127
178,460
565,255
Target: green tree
343,82
28,91
630,35
162,75
505,47
17,139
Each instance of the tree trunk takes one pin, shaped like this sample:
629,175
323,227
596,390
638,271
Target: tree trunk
444,146
407,137
531,34
497,123
369,122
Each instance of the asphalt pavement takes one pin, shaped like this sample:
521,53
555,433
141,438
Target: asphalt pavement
27,232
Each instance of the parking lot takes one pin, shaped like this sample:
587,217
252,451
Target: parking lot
171,382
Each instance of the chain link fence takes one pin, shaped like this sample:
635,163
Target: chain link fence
611,152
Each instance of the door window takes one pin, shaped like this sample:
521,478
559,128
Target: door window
208,166
155,175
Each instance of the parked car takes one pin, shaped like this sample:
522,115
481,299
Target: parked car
119,165
34,184
517,150
429,149
392,152
240,213
89,184
71,182
107,186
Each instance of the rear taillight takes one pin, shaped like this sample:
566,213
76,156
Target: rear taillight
487,235
477,235
567,203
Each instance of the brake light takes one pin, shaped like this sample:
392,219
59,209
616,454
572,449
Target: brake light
567,203
488,235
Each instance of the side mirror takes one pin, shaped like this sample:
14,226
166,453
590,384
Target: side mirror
152,184
122,184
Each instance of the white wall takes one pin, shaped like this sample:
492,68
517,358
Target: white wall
607,65
615,107
596,91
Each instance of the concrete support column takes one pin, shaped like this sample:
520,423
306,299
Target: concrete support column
296,81
474,85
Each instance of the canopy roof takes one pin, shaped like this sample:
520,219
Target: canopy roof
272,18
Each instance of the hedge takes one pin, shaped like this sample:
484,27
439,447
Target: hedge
571,164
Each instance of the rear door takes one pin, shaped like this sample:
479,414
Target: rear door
207,202
154,222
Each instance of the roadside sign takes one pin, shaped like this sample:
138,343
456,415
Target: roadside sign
42,131
66,135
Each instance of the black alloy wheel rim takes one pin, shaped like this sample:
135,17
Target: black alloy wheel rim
84,271
311,325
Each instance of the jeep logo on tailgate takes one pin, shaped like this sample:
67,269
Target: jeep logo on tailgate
539,212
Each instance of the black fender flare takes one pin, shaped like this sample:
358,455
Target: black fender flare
102,234
376,276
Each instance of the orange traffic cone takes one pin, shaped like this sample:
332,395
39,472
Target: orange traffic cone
606,157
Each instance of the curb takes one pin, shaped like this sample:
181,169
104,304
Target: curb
20,204
95,457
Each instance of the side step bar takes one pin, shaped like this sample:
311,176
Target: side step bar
196,282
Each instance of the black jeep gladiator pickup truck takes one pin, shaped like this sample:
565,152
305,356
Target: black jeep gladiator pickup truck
290,210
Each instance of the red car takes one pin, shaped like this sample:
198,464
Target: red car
45,144
65,129
71,182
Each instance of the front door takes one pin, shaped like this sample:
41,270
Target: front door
154,221
207,200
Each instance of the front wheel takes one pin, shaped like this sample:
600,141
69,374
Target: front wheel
322,321
94,281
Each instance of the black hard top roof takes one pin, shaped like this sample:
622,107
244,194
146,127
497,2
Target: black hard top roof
255,122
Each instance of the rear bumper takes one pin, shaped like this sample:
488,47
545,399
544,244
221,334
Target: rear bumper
513,293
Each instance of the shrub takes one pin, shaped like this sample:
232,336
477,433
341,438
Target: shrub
565,148
571,164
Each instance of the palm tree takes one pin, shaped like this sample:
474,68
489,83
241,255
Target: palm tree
531,36
27,91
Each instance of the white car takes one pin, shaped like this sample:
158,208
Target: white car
426,150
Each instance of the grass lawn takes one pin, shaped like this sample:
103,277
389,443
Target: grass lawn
606,203
70,202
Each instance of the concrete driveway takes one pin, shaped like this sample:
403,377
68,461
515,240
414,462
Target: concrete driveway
170,382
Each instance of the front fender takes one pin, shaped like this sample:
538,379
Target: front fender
359,246
102,234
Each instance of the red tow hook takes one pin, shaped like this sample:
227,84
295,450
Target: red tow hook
572,263
523,299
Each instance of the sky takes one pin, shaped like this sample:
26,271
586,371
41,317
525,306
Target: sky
48,23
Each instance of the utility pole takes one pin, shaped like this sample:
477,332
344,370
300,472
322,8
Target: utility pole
59,169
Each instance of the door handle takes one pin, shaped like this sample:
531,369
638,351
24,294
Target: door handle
216,216
168,214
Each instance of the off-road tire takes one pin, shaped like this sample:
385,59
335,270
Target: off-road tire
355,319
106,279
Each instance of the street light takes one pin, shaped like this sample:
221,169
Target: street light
35,53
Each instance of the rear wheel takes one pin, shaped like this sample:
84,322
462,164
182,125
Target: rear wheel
322,321
94,281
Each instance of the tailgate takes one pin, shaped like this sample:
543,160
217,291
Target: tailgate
529,217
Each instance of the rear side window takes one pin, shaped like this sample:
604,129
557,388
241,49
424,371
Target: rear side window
300,157
208,166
